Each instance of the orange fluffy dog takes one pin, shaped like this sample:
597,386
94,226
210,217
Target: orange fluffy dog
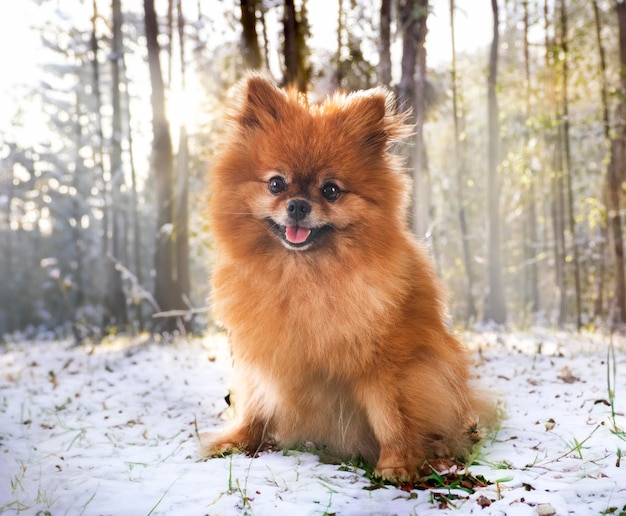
333,310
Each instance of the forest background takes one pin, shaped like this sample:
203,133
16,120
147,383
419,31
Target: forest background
111,113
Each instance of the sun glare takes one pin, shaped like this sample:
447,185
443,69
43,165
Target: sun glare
182,105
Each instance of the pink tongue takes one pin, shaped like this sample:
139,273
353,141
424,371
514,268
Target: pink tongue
296,234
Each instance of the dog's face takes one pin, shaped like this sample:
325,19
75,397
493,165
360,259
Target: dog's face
302,211
310,177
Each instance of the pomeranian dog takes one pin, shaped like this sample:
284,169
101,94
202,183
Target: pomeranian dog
333,311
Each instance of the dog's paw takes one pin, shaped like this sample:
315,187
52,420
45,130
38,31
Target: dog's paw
396,474
219,445
397,465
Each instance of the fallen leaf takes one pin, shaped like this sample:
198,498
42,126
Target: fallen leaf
483,501
550,424
545,509
566,375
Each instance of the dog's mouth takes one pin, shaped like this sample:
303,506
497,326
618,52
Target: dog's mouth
297,237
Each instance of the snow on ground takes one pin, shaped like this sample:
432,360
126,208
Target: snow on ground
113,430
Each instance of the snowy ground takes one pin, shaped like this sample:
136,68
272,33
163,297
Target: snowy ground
113,430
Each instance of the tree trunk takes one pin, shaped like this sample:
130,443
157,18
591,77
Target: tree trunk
598,307
138,296
7,303
266,50
98,155
567,166
251,49
339,70
556,180
421,185
77,213
182,173
408,26
411,95
166,288
384,48
170,41
558,222
294,31
531,240
459,166
115,298
290,31
495,309
616,173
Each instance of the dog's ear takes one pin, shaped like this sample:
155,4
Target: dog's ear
370,117
367,114
262,103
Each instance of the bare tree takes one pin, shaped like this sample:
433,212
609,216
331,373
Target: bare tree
181,215
564,128
8,315
531,238
134,204
408,28
413,16
459,165
266,50
495,307
77,212
616,174
251,49
340,68
557,201
166,289
606,126
115,300
294,32
99,147
384,47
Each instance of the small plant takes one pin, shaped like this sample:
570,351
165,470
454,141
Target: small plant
331,491
234,485
44,498
328,506
611,380
230,474
577,446
162,496
616,511
84,507
440,477
16,481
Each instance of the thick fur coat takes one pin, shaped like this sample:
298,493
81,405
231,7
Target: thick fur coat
333,310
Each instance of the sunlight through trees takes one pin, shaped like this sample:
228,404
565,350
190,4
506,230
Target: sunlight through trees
518,156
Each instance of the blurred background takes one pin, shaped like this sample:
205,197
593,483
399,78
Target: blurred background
111,112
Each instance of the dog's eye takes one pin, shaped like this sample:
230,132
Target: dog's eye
330,192
276,185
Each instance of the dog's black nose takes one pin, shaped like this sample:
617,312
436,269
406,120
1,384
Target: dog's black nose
298,209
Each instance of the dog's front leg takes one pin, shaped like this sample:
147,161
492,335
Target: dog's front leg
400,438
